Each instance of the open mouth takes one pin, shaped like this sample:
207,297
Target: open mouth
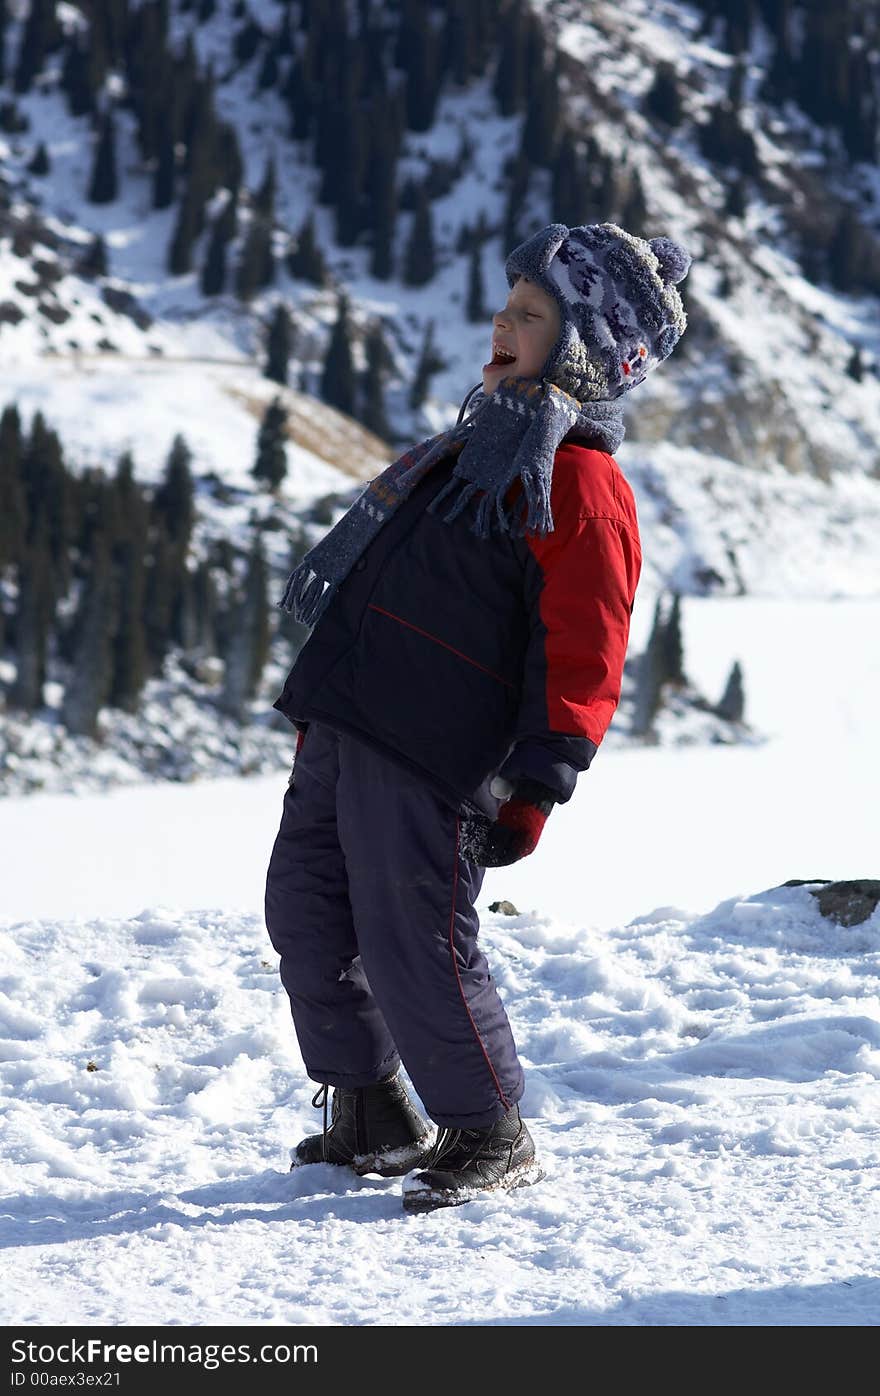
500,358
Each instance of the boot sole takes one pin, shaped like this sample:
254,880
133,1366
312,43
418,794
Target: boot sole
430,1199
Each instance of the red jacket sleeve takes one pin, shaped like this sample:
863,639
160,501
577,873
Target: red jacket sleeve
580,585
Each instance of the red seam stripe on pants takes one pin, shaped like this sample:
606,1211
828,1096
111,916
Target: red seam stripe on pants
501,1095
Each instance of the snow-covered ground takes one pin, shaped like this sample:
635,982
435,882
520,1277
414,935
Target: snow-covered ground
702,1048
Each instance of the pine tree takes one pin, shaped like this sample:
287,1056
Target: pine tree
373,414
227,218
520,174
570,196
173,502
429,363
264,199
278,347
213,277
94,260
129,646
419,258
855,366
161,590
476,302
166,165
649,684
349,185
672,647
270,466
247,41
257,266
13,502
299,99
231,164
32,620
736,199
248,644
509,85
663,99
285,35
41,36
104,186
733,703
89,685
541,127
306,261
269,69
185,233
338,377
381,193
203,598
846,251
739,17
40,165
416,55
76,77
49,503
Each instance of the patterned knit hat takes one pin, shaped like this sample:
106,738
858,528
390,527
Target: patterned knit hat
621,314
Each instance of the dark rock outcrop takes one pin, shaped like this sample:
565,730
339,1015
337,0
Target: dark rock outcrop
848,903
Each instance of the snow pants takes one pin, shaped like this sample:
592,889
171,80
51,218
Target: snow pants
370,905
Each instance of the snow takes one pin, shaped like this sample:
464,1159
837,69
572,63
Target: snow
702,1048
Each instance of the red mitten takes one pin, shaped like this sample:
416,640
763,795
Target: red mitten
515,831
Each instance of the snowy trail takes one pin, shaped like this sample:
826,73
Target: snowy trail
703,1092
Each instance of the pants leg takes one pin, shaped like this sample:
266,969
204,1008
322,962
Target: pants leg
412,898
342,1035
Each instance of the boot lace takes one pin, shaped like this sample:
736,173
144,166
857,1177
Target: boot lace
319,1099
447,1139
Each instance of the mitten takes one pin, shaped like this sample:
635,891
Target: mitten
514,833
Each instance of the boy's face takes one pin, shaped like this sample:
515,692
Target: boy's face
527,327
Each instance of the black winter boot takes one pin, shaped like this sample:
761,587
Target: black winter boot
465,1163
374,1129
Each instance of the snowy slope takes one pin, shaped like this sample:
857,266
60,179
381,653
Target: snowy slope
755,471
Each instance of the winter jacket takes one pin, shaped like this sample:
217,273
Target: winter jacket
462,658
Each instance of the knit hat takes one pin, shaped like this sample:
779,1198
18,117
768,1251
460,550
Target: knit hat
621,314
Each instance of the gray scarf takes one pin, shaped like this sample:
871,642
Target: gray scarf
511,434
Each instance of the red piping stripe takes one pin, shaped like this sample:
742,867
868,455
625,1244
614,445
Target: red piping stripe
501,1095
437,641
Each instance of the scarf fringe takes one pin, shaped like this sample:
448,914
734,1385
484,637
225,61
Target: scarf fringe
536,488
307,595
532,511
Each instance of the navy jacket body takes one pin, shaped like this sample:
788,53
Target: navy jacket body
461,657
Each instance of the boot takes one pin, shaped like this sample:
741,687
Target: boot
466,1163
373,1129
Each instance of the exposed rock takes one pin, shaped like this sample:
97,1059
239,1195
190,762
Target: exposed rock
10,313
124,303
848,903
505,908
54,312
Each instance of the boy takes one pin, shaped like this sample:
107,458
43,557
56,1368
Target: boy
463,667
